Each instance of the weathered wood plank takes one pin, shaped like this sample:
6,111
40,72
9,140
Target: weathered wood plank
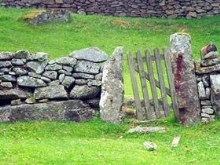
148,121
152,57
175,141
161,82
144,85
152,82
171,80
139,111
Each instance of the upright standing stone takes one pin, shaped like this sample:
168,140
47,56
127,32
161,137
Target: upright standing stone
112,95
185,79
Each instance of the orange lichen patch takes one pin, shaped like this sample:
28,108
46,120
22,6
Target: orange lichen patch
121,23
33,14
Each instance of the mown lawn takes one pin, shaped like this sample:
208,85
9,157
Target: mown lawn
96,142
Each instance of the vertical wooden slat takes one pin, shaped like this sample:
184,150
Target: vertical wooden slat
161,82
171,81
139,110
144,85
152,82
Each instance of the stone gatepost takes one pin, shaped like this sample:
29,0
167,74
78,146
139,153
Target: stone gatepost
112,95
184,79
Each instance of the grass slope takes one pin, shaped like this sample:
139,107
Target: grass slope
97,142
59,39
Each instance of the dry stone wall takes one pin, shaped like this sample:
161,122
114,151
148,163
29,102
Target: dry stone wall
208,82
33,88
132,8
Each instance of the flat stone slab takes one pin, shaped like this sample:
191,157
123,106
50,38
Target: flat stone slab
54,67
22,54
73,110
83,75
67,61
13,94
8,78
139,129
51,75
37,67
90,54
27,81
51,92
39,56
208,69
6,55
68,81
84,92
5,64
87,67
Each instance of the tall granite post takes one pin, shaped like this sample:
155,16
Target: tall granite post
112,95
184,79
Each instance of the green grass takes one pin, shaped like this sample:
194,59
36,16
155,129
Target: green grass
59,39
96,142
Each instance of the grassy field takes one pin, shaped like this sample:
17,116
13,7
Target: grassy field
96,142
104,32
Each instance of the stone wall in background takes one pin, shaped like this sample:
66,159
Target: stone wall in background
132,8
33,88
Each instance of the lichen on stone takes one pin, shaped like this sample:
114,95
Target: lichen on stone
33,14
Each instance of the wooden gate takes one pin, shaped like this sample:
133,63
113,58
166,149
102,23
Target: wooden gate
153,84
